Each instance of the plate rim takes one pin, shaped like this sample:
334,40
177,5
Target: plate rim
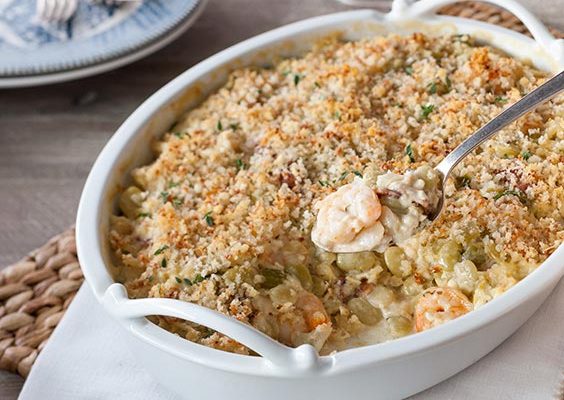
108,65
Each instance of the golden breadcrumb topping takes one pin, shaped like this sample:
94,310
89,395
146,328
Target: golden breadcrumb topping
224,214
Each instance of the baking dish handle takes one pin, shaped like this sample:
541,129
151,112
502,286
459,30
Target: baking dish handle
405,10
301,358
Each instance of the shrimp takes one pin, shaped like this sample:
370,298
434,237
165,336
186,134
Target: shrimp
308,323
438,305
348,219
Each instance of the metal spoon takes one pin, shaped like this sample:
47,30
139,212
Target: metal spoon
540,95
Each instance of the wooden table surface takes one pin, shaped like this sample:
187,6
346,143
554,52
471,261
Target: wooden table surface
50,136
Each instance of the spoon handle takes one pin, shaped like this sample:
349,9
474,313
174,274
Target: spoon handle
538,96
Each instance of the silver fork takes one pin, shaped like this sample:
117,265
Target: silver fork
54,11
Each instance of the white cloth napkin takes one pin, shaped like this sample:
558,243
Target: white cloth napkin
86,358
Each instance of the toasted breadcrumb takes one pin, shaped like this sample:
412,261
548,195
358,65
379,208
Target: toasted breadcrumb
229,198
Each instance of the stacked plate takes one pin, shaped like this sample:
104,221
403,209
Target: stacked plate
100,36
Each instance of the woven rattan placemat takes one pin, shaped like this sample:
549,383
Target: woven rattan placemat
36,291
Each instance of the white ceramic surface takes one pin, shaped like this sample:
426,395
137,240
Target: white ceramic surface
389,370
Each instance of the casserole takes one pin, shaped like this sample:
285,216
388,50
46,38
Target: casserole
394,369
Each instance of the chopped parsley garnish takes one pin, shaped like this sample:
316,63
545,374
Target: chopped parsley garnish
240,164
337,115
164,196
197,279
343,176
520,195
208,218
143,215
462,181
160,250
179,135
409,152
526,155
409,70
187,281
501,100
163,263
323,183
234,126
178,280
317,85
461,37
286,73
357,173
297,78
208,333
172,184
219,125
426,110
439,87
177,202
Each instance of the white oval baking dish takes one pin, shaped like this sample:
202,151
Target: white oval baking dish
389,370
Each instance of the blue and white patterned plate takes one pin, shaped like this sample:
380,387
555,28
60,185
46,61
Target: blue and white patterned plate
97,35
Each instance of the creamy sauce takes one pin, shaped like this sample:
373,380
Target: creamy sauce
359,218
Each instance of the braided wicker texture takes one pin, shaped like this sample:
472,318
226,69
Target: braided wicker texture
491,14
36,291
